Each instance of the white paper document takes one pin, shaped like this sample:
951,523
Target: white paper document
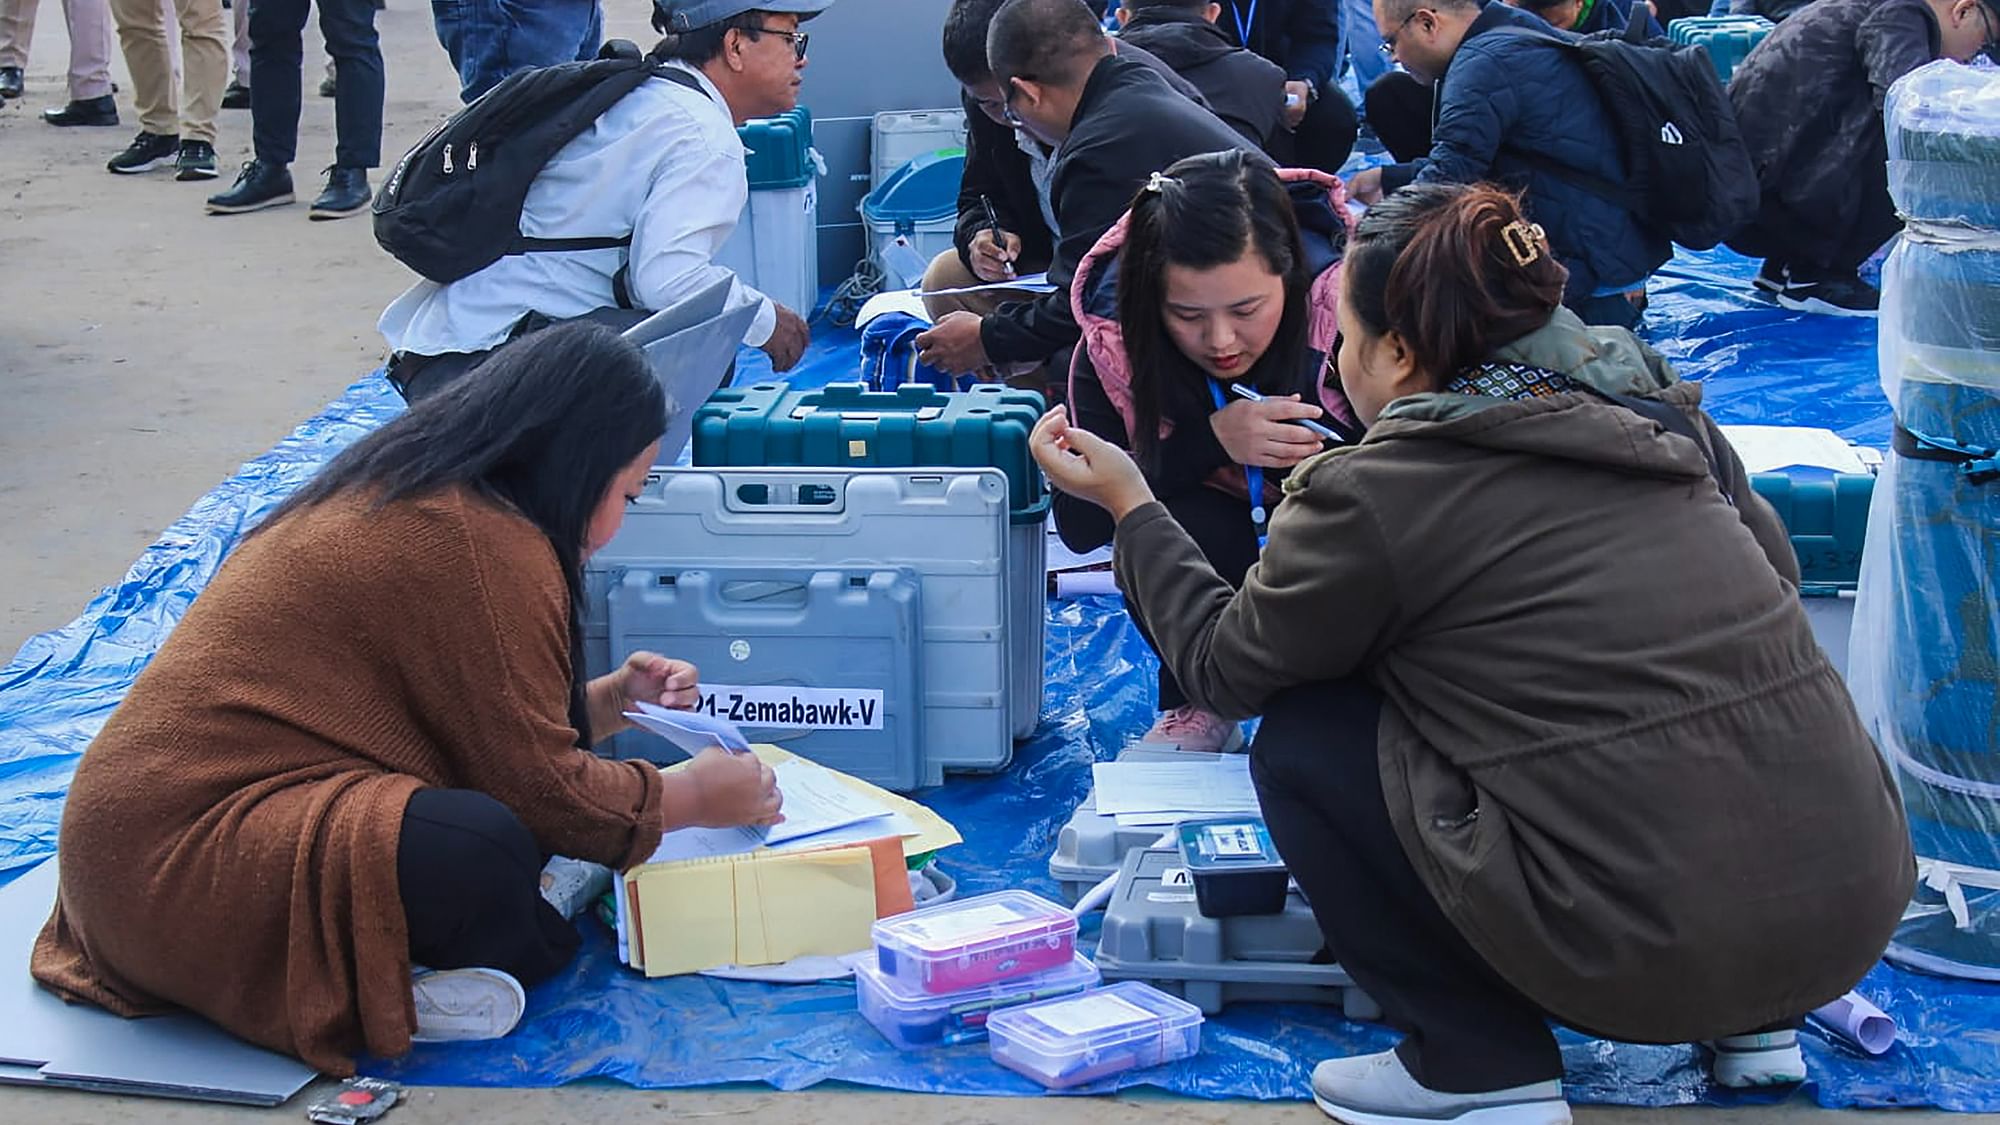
1026,283
820,811
1163,792
1766,449
692,731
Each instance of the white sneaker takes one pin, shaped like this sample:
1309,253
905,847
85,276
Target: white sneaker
1770,1058
1378,1090
463,1004
1190,728
571,885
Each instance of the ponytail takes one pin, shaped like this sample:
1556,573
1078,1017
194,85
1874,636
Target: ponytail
1456,271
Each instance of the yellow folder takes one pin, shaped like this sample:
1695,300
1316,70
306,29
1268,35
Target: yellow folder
764,907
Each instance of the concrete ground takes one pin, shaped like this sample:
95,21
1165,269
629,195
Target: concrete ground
147,349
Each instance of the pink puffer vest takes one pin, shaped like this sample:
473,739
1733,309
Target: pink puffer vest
1104,343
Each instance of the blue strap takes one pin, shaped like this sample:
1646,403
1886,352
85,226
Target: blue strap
1978,464
1243,20
1253,476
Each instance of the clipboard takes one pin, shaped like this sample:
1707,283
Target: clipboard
691,347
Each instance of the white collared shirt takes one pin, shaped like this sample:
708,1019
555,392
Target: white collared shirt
665,163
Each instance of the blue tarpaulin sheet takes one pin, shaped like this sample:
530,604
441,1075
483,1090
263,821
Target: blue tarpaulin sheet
596,1019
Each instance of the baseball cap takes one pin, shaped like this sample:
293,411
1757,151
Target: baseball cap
690,15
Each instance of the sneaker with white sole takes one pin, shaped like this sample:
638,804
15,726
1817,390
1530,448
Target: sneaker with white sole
1378,1090
1770,1058
456,1005
1772,277
1190,728
571,885
1830,296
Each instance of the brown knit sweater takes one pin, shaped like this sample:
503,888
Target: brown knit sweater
230,840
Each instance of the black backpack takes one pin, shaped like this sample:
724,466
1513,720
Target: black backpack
1689,173
452,207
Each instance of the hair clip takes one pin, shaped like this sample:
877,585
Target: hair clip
1525,240
1158,182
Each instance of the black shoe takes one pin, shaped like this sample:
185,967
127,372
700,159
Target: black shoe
1772,276
11,82
87,111
326,86
1836,296
236,96
347,193
146,152
259,186
196,161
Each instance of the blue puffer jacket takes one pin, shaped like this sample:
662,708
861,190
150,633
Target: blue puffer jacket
1505,92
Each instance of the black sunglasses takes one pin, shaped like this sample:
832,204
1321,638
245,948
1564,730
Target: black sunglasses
797,38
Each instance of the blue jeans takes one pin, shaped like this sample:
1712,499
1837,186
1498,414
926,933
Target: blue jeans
491,39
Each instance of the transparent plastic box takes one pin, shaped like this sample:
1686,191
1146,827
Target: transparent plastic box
975,942
1085,1038
913,1020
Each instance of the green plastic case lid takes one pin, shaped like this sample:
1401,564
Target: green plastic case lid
778,150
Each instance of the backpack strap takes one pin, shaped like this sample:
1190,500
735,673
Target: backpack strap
523,244
1618,195
1671,419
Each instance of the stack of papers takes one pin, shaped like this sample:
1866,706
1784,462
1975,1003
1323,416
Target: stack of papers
1767,449
692,731
1157,794
812,885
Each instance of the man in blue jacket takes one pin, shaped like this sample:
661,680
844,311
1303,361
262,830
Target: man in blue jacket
1497,94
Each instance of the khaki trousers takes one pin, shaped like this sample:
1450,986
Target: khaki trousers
89,42
948,272
143,34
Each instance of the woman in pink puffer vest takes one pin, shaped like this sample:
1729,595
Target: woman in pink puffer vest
1223,277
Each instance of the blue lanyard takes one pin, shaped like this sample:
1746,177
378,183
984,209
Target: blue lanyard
1253,477
1243,21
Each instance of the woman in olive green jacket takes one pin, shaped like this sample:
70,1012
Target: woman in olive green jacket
1546,732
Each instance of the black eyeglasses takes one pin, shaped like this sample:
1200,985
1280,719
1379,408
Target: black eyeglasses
1007,104
797,38
1388,44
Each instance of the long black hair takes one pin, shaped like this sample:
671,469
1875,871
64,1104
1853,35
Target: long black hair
542,427
1204,212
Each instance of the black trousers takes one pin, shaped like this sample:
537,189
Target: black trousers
418,377
1811,245
1324,137
277,75
1399,110
1220,525
471,880
1466,1030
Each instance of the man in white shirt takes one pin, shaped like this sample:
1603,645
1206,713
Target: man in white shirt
664,163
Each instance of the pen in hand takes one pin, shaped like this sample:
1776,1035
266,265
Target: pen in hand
993,224
1242,390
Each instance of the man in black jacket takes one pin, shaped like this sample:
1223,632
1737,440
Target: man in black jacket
1112,121
1006,170
1824,174
1303,37
1243,88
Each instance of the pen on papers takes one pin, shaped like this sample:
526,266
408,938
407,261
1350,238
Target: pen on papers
993,224
1241,390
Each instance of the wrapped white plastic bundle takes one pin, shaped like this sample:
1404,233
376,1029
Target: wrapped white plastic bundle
1944,145
1926,669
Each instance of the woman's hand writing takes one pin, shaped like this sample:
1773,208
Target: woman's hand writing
732,790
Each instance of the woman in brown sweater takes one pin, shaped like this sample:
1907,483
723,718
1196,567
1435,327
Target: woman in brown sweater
354,753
